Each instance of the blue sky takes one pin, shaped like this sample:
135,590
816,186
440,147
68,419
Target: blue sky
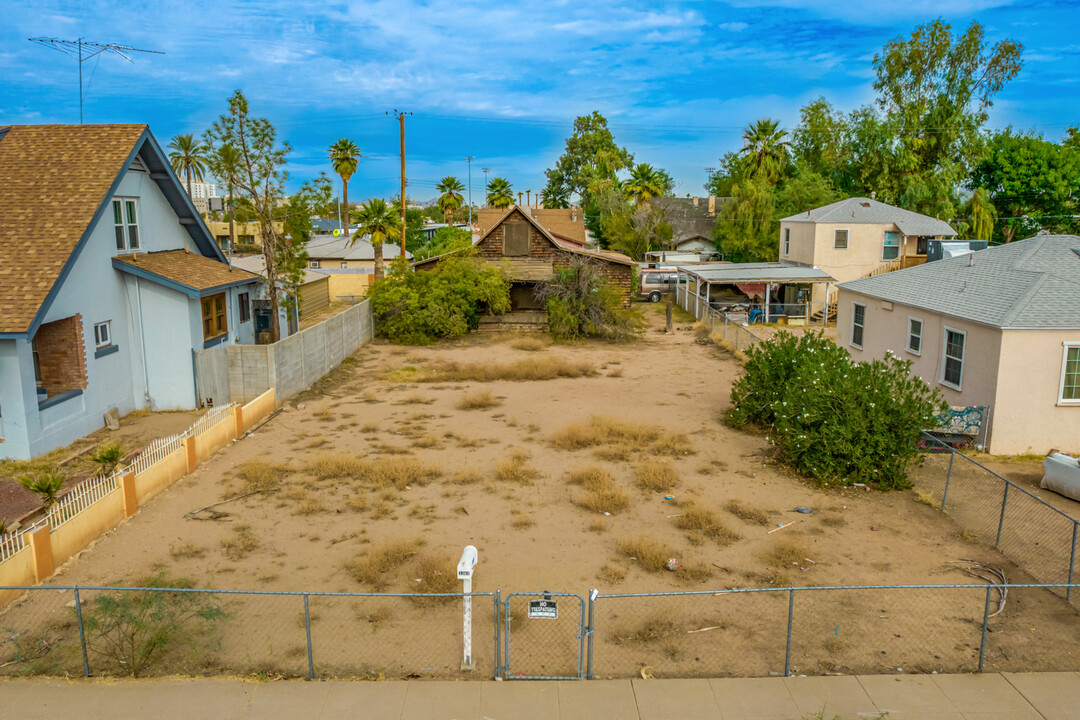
503,81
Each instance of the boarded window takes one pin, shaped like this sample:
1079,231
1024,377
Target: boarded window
515,239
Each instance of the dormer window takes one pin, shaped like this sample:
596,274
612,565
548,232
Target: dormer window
126,223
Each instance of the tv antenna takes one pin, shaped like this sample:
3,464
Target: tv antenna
83,51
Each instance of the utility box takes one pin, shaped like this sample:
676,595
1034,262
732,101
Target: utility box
467,565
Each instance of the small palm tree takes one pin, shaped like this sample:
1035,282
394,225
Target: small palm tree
108,456
554,198
225,164
500,194
46,485
188,156
344,157
378,219
765,149
450,198
644,183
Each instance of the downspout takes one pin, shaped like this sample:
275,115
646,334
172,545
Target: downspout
142,344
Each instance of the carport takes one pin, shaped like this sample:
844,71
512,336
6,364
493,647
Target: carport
696,282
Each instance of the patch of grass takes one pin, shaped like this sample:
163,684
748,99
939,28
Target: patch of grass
744,512
189,550
385,471
530,344
615,373
926,498
369,428
541,368
241,544
728,347
482,400
649,553
701,330
652,629
380,564
377,615
261,476
416,399
598,526
676,445
310,506
600,431
785,554
698,520
968,536
428,442
465,476
601,494
437,574
335,466
519,520
612,574
653,476
516,469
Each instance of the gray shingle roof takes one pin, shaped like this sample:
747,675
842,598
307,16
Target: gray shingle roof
864,211
1033,283
328,247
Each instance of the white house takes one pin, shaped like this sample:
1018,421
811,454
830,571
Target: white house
109,280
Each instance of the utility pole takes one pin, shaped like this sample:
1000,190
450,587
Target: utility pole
75,49
486,171
401,120
469,159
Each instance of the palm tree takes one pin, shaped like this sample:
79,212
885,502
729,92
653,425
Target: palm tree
500,194
189,157
551,197
378,219
644,183
344,156
765,149
450,197
225,164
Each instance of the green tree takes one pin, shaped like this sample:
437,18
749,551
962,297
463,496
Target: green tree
802,191
313,198
745,230
188,156
500,194
765,150
645,182
447,239
554,198
261,177
722,179
582,303
637,230
590,158
1033,183
224,163
979,216
379,220
821,143
344,157
450,197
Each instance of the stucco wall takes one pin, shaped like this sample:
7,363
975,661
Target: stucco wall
802,242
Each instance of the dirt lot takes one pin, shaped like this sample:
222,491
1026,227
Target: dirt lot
371,484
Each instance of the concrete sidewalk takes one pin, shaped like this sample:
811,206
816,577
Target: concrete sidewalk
1006,696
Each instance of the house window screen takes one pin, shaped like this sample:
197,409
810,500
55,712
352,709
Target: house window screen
914,342
858,323
1070,381
890,246
516,239
954,358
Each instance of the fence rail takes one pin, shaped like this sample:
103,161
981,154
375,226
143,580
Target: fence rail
156,451
79,498
209,420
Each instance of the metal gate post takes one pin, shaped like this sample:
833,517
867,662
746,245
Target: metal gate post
1072,561
592,629
82,631
986,620
307,625
1001,520
498,637
790,614
948,477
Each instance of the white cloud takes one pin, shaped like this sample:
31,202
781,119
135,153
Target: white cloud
733,26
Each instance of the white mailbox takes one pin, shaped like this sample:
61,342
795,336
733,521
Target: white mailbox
467,564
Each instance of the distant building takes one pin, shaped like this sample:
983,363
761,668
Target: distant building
565,223
691,220
349,262
202,190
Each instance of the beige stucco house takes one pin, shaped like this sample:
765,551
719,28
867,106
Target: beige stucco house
857,238
349,262
997,328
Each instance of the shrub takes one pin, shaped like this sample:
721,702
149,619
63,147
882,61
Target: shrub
46,486
482,400
656,476
416,308
131,628
601,494
581,303
834,419
108,456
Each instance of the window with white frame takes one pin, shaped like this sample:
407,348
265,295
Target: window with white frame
314,264
344,265
840,238
1070,374
787,241
952,365
126,223
890,245
914,336
858,323
103,334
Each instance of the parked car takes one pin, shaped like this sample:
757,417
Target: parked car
655,283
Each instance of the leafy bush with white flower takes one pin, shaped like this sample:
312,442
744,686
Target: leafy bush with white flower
834,419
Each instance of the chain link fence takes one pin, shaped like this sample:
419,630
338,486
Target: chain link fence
1032,533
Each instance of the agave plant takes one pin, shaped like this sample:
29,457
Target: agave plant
47,485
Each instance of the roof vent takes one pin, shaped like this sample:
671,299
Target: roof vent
865,204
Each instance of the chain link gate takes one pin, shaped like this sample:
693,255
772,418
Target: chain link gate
546,633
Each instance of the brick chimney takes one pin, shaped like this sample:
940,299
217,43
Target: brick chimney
573,214
712,205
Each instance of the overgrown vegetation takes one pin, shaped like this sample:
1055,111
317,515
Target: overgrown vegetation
654,476
380,473
582,303
834,419
379,565
700,522
624,436
45,485
130,629
417,308
516,469
600,495
538,368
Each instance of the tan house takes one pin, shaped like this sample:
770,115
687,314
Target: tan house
313,291
857,238
529,254
249,233
998,328
564,223
349,262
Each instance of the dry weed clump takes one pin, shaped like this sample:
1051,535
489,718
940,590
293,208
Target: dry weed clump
437,574
926,498
335,466
540,368
653,476
529,344
189,550
377,615
379,565
629,436
652,629
601,494
393,471
466,476
482,400
653,556
259,476
728,346
242,542
744,512
702,522
785,554
520,520
516,469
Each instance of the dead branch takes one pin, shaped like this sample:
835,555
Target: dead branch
996,578
215,515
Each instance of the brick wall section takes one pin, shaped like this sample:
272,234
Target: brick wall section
618,275
62,355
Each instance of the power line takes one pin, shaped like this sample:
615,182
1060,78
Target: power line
83,51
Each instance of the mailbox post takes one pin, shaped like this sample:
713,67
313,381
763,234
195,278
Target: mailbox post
466,567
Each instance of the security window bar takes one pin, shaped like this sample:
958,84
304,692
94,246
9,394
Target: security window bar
1070,374
953,366
914,336
126,224
858,324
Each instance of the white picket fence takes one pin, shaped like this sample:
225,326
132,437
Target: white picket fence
81,497
157,451
209,420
